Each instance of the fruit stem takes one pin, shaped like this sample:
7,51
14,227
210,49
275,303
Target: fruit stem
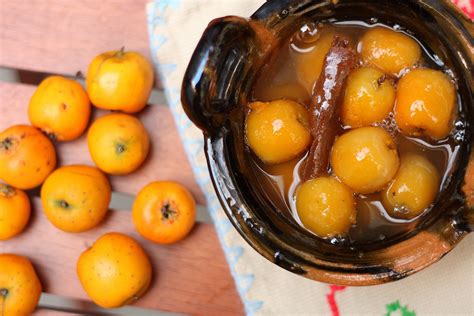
168,211
6,144
120,148
120,52
3,292
52,136
381,80
6,190
79,75
63,204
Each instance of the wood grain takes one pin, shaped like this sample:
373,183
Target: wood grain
167,159
49,312
63,36
190,277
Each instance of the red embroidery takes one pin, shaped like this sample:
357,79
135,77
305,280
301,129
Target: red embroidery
331,298
467,6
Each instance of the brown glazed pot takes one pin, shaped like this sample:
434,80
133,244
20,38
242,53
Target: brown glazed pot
215,91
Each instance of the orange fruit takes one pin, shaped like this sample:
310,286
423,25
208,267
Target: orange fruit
76,198
60,107
15,211
277,131
425,105
118,143
119,80
114,271
27,157
413,189
325,206
365,159
164,212
368,98
20,288
388,50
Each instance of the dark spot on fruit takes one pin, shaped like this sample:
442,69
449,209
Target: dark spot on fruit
168,211
7,143
4,292
392,146
381,80
6,190
120,148
63,204
52,136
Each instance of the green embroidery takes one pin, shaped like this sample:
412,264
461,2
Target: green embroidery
395,306
392,307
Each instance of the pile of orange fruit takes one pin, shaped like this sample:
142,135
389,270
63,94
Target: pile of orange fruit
76,198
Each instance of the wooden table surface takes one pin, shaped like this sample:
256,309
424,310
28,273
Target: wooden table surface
61,37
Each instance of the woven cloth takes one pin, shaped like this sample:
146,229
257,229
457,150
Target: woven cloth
445,288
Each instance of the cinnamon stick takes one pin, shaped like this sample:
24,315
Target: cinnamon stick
324,114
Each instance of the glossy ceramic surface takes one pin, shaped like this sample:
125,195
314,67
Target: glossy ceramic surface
215,89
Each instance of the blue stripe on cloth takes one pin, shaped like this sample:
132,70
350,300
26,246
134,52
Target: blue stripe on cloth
156,17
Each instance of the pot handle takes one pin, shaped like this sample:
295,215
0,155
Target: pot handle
216,73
